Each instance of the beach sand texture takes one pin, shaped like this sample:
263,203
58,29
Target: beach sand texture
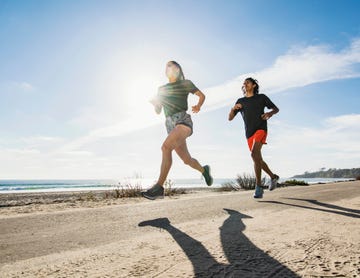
311,231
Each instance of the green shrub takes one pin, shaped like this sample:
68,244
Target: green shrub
90,196
125,191
170,191
247,181
295,182
228,186
129,190
242,182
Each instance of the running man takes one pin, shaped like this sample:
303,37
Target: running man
251,107
172,97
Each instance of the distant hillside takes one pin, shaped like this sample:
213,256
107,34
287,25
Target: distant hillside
332,173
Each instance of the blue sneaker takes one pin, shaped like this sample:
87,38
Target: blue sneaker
259,191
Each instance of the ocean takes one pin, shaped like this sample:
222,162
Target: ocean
23,186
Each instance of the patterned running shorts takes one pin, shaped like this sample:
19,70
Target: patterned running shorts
180,118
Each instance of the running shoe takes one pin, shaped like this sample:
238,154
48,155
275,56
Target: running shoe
259,191
207,175
273,182
155,192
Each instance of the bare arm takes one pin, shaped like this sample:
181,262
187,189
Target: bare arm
196,108
232,111
269,114
157,105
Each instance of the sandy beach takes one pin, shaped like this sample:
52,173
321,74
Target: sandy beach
310,231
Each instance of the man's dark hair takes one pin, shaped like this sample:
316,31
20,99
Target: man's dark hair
253,81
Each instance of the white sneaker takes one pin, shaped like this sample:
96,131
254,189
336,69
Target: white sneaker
273,183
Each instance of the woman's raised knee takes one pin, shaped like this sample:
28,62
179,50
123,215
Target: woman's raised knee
166,147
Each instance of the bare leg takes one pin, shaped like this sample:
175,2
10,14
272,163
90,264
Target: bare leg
176,138
259,163
257,158
266,168
184,154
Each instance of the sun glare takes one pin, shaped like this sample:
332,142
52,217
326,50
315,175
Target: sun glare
137,95
128,82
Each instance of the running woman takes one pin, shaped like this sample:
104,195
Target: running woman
251,107
172,97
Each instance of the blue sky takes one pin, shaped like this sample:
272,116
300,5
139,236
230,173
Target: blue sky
76,77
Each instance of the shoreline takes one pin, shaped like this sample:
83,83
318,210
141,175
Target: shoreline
55,195
16,199
74,187
20,204
24,203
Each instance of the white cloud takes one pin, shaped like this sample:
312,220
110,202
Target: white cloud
122,128
334,144
28,163
20,152
41,139
298,68
292,150
351,121
16,86
25,86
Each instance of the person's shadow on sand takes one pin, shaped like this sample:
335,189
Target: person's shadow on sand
321,207
245,259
